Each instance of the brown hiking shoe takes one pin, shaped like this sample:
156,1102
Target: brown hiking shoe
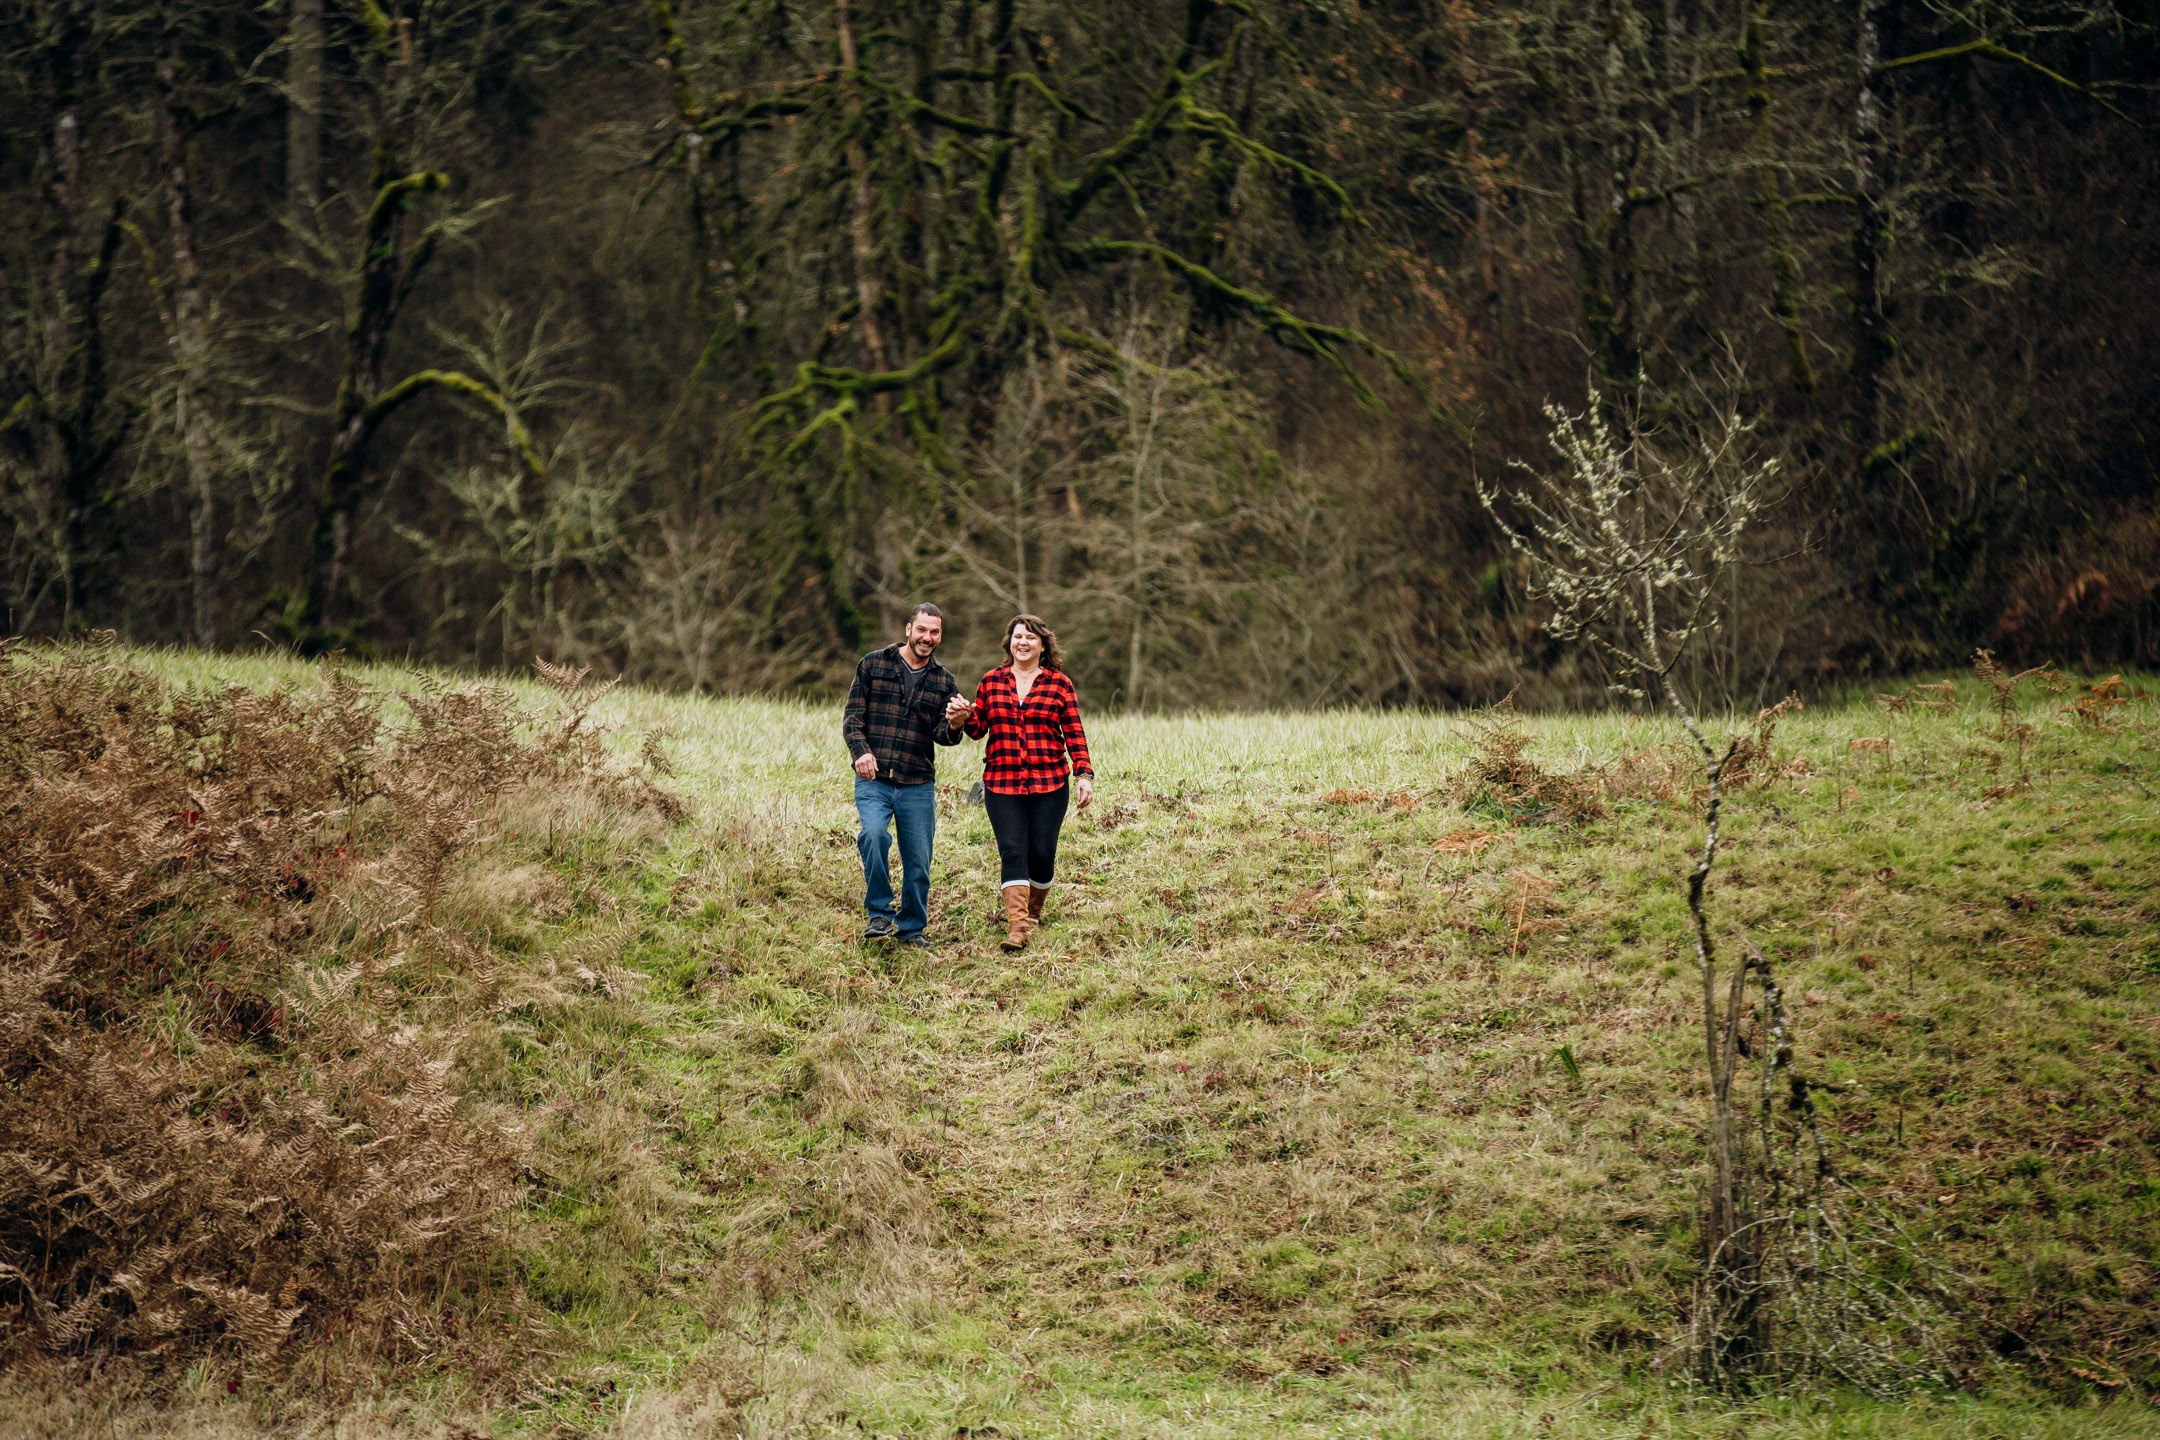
1035,903
1017,924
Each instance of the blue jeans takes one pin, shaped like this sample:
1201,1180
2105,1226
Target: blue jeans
912,809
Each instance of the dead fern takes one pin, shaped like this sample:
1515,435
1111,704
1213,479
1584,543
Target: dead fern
2002,684
2097,702
218,1127
1502,780
1660,773
1941,697
1754,759
571,749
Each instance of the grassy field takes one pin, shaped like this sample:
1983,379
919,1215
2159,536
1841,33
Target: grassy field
1269,1131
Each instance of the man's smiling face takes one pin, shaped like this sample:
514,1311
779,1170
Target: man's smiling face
923,634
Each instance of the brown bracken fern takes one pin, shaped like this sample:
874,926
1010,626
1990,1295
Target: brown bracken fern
217,1125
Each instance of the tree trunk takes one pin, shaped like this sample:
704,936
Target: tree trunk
1142,419
384,277
1728,1278
1770,205
1603,251
1623,352
303,109
1021,516
1474,168
862,226
55,457
892,575
191,344
1683,136
1871,342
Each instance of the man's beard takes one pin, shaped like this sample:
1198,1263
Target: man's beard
923,648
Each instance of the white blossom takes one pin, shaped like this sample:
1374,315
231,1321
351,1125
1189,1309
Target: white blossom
1627,537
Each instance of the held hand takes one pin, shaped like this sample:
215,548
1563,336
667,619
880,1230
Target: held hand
1084,790
956,711
866,765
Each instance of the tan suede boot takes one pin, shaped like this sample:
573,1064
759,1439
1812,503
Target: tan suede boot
1017,924
1035,903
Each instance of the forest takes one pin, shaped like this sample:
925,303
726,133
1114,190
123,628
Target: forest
697,341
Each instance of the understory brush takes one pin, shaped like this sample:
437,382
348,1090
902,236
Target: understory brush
231,1117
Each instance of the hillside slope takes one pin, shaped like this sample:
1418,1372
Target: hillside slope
1335,1098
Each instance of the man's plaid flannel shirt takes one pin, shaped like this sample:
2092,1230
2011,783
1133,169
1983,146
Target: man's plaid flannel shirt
880,721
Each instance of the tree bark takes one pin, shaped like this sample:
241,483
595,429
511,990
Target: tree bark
1683,135
1623,352
862,227
1144,417
303,108
383,279
56,460
1871,343
190,344
1727,1275
1474,170
1770,205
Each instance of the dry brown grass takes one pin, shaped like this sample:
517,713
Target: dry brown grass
49,1402
222,1121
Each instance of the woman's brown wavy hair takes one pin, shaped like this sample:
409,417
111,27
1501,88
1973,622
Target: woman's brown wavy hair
1052,657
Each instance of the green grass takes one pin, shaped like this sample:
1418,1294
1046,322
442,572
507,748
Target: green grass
1267,1133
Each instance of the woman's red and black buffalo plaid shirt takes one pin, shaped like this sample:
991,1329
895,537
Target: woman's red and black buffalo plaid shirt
1028,742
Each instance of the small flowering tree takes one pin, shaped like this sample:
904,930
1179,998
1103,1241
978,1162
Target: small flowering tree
1627,539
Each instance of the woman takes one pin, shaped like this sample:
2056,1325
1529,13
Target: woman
1031,713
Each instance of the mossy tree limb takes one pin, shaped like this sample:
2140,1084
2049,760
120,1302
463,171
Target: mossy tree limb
382,282
961,178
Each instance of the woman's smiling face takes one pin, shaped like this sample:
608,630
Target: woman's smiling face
1025,645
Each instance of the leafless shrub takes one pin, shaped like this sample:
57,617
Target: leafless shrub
1813,1279
199,1141
1629,536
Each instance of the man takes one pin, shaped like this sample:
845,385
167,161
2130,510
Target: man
895,712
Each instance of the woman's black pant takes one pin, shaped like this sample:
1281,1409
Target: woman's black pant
1026,827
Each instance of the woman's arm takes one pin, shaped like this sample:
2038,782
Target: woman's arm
1076,742
1076,739
977,723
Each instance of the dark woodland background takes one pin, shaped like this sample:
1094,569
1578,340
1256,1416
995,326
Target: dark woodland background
698,342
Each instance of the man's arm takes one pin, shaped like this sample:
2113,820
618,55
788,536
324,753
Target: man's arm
851,724
945,734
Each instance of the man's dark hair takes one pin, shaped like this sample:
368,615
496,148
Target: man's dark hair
926,608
